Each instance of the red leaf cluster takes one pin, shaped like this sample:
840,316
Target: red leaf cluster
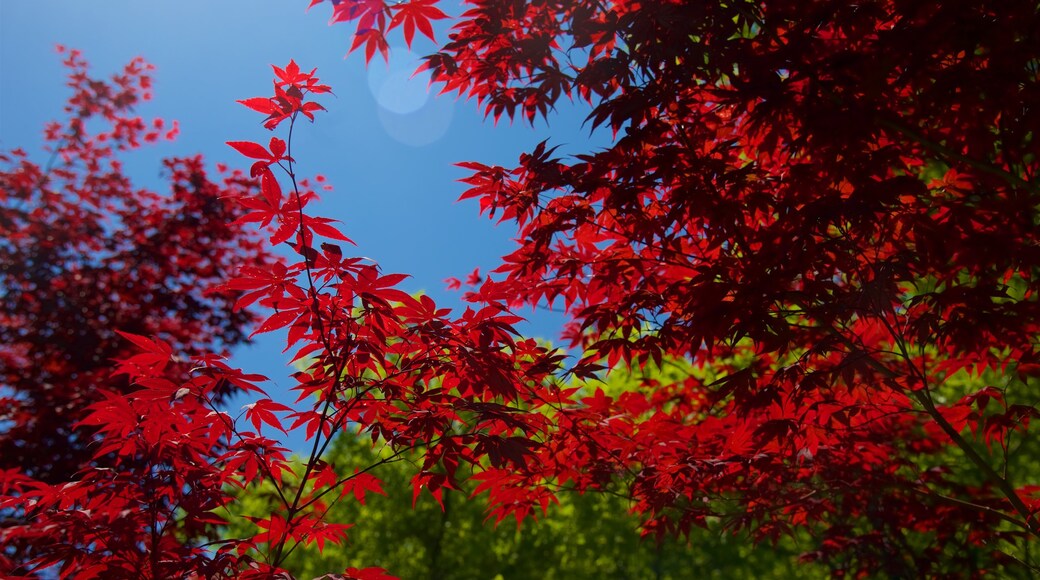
86,254
828,211
92,265
290,87
812,241
167,459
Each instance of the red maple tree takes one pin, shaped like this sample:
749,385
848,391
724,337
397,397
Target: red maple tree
166,460
86,255
828,209
831,207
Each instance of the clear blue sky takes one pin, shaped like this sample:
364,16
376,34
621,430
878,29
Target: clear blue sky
386,145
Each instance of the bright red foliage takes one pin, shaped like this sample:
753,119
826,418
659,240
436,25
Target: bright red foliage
830,205
826,210
86,254
167,461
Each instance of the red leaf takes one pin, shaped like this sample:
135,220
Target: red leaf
250,149
368,574
263,412
260,104
148,345
271,191
416,14
285,230
373,40
276,321
277,147
360,484
322,228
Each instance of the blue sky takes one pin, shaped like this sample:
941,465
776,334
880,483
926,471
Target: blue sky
385,144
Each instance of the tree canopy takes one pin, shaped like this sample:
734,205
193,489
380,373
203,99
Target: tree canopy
823,213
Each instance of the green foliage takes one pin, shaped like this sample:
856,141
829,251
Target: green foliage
585,536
